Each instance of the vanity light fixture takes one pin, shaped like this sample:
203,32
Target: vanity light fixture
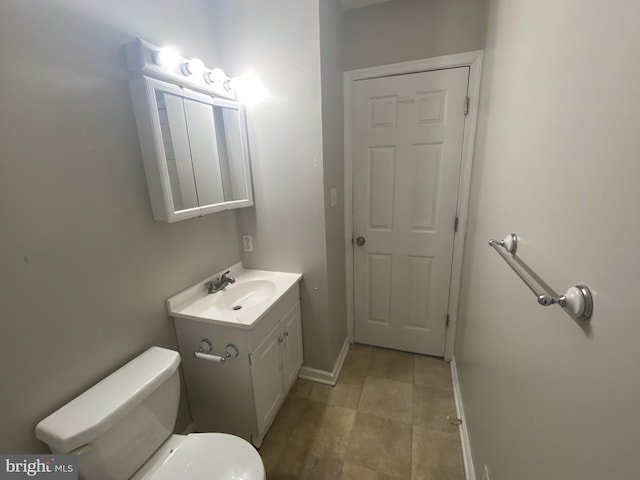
166,64
166,57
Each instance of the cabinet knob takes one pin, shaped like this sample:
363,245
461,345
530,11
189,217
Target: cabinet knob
286,334
280,339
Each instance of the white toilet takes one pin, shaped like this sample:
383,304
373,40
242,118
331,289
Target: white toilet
122,428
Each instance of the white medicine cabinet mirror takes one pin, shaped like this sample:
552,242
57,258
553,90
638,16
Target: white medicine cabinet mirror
195,150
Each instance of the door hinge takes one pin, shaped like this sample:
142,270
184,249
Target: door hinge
466,106
250,359
455,224
448,320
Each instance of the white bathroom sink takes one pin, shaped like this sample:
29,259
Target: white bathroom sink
245,294
242,303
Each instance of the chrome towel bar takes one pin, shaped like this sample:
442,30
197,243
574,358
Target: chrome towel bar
577,300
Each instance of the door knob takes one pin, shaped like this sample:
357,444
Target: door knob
360,241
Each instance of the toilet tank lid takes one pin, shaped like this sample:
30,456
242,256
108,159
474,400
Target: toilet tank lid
92,413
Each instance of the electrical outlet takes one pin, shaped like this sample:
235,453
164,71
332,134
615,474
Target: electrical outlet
485,474
334,197
247,242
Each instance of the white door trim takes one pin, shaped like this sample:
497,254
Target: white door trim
473,60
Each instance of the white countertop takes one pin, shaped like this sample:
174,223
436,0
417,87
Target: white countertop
196,303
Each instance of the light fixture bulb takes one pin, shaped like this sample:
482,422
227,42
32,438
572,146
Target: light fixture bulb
193,67
216,75
249,88
166,56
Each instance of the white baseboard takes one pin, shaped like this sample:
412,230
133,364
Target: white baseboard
464,433
322,376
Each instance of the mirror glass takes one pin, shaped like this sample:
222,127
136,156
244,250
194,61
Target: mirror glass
175,142
204,144
229,136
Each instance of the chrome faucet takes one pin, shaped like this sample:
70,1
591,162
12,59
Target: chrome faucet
220,283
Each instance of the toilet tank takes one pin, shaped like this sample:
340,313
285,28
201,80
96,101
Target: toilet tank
116,425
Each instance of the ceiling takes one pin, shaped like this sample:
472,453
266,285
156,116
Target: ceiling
351,4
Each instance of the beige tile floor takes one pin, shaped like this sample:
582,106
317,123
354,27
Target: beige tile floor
385,419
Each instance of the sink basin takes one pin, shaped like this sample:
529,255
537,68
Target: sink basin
250,293
242,303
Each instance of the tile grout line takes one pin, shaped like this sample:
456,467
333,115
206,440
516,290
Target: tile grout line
357,411
366,369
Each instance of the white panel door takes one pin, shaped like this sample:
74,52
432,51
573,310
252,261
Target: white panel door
408,132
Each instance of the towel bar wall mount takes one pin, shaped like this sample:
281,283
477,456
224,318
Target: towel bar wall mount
577,299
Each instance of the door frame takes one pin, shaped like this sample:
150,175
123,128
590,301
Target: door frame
473,60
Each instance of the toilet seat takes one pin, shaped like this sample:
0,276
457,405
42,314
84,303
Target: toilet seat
203,456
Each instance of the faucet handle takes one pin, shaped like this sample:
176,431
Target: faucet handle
225,278
211,285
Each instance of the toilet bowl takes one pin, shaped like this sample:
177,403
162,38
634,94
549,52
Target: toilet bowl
121,429
211,456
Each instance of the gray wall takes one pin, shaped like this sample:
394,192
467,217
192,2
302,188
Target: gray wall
85,269
288,221
557,162
403,30
333,164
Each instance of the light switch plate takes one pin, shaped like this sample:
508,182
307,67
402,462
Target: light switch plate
334,197
247,243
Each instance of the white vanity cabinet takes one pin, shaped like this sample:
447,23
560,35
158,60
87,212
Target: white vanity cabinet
275,364
242,395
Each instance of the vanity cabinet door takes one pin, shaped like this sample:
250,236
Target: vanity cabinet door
266,377
291,346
